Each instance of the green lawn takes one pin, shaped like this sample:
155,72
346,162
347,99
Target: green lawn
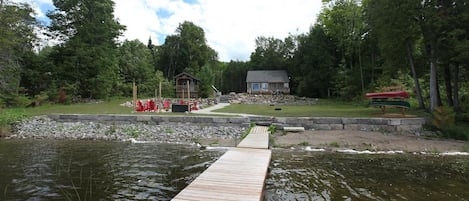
325,108
104,107
107,107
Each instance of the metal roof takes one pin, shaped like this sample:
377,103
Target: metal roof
267,76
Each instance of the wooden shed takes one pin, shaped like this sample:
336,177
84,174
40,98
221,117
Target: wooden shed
186,84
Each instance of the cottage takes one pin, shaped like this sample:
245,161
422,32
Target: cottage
267,82
186,85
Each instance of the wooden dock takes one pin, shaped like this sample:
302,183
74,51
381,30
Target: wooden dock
258,138
237,175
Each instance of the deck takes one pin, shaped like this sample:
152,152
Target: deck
237,175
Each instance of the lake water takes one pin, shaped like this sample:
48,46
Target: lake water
87,170
90,170
337,176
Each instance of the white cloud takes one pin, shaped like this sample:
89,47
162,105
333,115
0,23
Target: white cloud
231,26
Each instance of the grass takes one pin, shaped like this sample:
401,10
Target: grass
325,108
104,107
304,143
248,130
9,116
334,144
458,132
466,147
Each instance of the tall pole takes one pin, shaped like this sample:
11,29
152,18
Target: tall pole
160,90
188,92
134,93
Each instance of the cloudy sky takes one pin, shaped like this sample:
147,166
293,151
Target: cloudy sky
230,26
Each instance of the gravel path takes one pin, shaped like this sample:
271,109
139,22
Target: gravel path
210,110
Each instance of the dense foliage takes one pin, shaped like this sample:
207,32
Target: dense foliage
354,47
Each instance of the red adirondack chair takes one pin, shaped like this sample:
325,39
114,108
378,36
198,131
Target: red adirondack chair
140,106
166,104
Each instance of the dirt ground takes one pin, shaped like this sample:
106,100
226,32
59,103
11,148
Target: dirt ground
373,141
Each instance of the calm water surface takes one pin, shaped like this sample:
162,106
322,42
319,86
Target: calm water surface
85,170
334,176
88,170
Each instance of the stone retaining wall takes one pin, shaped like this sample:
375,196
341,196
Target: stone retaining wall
406,125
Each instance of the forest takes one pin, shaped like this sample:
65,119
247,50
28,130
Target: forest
354,47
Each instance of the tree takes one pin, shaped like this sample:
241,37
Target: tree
272,53
207,79
234,77
135,66
397,31
315,62
343,22
16,42
87,58
453,46
187,50
154,54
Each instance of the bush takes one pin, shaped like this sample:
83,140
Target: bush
7,117
462,117
15,100
443,117
455,132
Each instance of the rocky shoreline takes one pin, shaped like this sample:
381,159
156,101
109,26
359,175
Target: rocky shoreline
43,127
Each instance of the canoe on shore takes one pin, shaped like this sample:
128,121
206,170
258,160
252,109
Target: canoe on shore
389,94
399,104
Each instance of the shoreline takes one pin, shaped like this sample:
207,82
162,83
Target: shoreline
205,136
369,142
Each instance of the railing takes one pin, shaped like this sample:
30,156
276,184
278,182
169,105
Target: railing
180,88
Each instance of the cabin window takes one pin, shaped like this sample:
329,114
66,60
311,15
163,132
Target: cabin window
256,86
265,86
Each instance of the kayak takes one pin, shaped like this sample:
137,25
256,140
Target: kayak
389,94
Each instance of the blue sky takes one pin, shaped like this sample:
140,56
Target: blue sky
231,26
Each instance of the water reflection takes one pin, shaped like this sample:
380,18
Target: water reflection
329,176
90,170
78,170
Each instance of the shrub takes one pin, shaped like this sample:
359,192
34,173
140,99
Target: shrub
15,100
7,117
272,129
455,132
443,117
462,117
62,97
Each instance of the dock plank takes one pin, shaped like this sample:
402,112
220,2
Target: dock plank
238,175
258,138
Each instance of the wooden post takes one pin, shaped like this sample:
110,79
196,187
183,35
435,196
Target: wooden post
188,92
160,91
134,93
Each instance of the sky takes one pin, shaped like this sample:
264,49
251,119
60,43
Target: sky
231,26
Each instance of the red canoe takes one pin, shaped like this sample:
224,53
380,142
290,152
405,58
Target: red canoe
389,94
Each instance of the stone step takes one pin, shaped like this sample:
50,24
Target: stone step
294,129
